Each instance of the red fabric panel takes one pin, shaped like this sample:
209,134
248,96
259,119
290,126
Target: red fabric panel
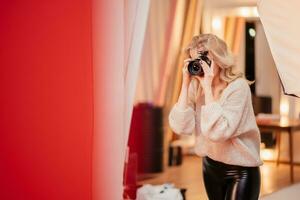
46,114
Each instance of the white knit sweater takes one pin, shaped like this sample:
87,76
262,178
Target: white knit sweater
226,129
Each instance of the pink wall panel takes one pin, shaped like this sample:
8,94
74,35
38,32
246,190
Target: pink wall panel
109,95
46,114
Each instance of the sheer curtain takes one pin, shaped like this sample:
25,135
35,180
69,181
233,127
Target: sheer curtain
136,16
234,36
118,28
171,25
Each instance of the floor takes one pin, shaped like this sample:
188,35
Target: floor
188,175
292,192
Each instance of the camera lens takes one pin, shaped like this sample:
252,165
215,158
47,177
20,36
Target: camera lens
195,68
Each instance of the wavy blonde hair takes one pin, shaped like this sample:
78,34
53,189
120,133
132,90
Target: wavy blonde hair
220,53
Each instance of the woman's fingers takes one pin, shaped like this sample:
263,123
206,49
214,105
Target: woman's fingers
199,92
207,70
204,66
184,70
186,74
185,66
199,79
187,60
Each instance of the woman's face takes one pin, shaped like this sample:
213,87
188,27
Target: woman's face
194,54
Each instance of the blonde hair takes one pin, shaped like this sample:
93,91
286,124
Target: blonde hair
220,53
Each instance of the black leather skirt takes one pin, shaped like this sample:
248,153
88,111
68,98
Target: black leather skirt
230,182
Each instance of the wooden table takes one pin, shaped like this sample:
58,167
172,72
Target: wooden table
287,125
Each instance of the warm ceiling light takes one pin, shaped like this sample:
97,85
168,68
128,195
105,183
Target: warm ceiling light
248,11
216,23
245,12
255,12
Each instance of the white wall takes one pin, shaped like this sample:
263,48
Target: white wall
267,81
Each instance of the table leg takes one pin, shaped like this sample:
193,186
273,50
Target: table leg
291,156
278,137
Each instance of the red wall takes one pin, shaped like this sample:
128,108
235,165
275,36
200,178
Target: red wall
46,113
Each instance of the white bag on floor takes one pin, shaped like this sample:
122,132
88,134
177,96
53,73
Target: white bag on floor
158,192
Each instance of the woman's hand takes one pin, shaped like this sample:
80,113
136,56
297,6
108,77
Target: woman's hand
206,80
186,79
200,92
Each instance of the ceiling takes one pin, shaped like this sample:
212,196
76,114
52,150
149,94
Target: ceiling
230,3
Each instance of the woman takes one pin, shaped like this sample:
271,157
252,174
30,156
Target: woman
218,107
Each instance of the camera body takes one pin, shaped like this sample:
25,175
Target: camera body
194,66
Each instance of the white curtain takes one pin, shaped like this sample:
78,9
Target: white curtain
108,70
118,29
136,15
157,36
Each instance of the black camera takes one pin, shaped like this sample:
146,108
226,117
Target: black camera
194,66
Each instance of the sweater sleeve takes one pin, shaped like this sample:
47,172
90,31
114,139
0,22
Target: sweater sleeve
182,121
219,122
